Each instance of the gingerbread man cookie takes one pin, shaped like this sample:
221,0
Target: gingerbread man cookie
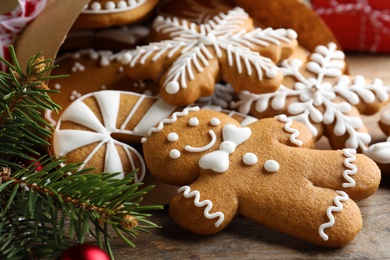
319,95
106,13
264,171
188,58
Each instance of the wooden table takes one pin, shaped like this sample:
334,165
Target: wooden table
244,239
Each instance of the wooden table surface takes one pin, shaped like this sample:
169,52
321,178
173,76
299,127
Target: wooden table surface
245,239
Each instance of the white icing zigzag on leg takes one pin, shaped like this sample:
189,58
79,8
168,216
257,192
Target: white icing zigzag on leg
188,194
339,207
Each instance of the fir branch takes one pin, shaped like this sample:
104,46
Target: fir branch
46,205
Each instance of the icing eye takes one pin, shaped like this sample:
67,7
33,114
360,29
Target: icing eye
215,121
271,166
174,154
193,121
172,137
250,158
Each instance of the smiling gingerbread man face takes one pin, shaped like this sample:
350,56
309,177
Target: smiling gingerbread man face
263,171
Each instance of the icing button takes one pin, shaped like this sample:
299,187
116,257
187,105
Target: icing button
193,121
172,137
250,159
174,154
271,166
215,121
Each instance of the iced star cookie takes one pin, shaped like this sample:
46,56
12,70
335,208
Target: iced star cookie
187,59
91,71
107,13
264,171
318,94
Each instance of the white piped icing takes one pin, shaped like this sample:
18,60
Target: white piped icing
194,121
271,166
223,35
172,137
233,136
294,132
215,121
172,119
379,152
187,193
350,157
204,148
338,208
250,159
174,154
112,6
313,100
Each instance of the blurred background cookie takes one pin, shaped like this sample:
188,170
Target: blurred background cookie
106,13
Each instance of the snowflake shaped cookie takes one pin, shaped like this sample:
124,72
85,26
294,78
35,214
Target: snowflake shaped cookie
319,95
189,58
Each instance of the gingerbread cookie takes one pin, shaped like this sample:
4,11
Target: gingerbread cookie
380,151
188,59
91,71
102,129
263,171
115,39
107,13
319,95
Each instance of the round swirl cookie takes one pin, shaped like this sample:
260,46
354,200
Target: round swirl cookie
91,71
107,13
264,171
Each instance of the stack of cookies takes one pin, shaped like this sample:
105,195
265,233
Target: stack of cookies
198,96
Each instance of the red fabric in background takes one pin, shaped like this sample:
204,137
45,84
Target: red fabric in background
359,25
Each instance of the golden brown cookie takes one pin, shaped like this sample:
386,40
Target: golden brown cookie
187,59
116,38
106,13
263,171
380,151
319,94
91,71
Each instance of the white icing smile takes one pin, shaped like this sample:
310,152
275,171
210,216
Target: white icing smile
203,148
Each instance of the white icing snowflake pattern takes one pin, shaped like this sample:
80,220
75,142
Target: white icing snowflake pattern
193,46
314,94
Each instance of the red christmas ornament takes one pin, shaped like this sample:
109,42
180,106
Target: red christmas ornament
84,252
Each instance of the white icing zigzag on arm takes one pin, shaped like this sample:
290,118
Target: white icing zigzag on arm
338,208
350,155
188,194
294,132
